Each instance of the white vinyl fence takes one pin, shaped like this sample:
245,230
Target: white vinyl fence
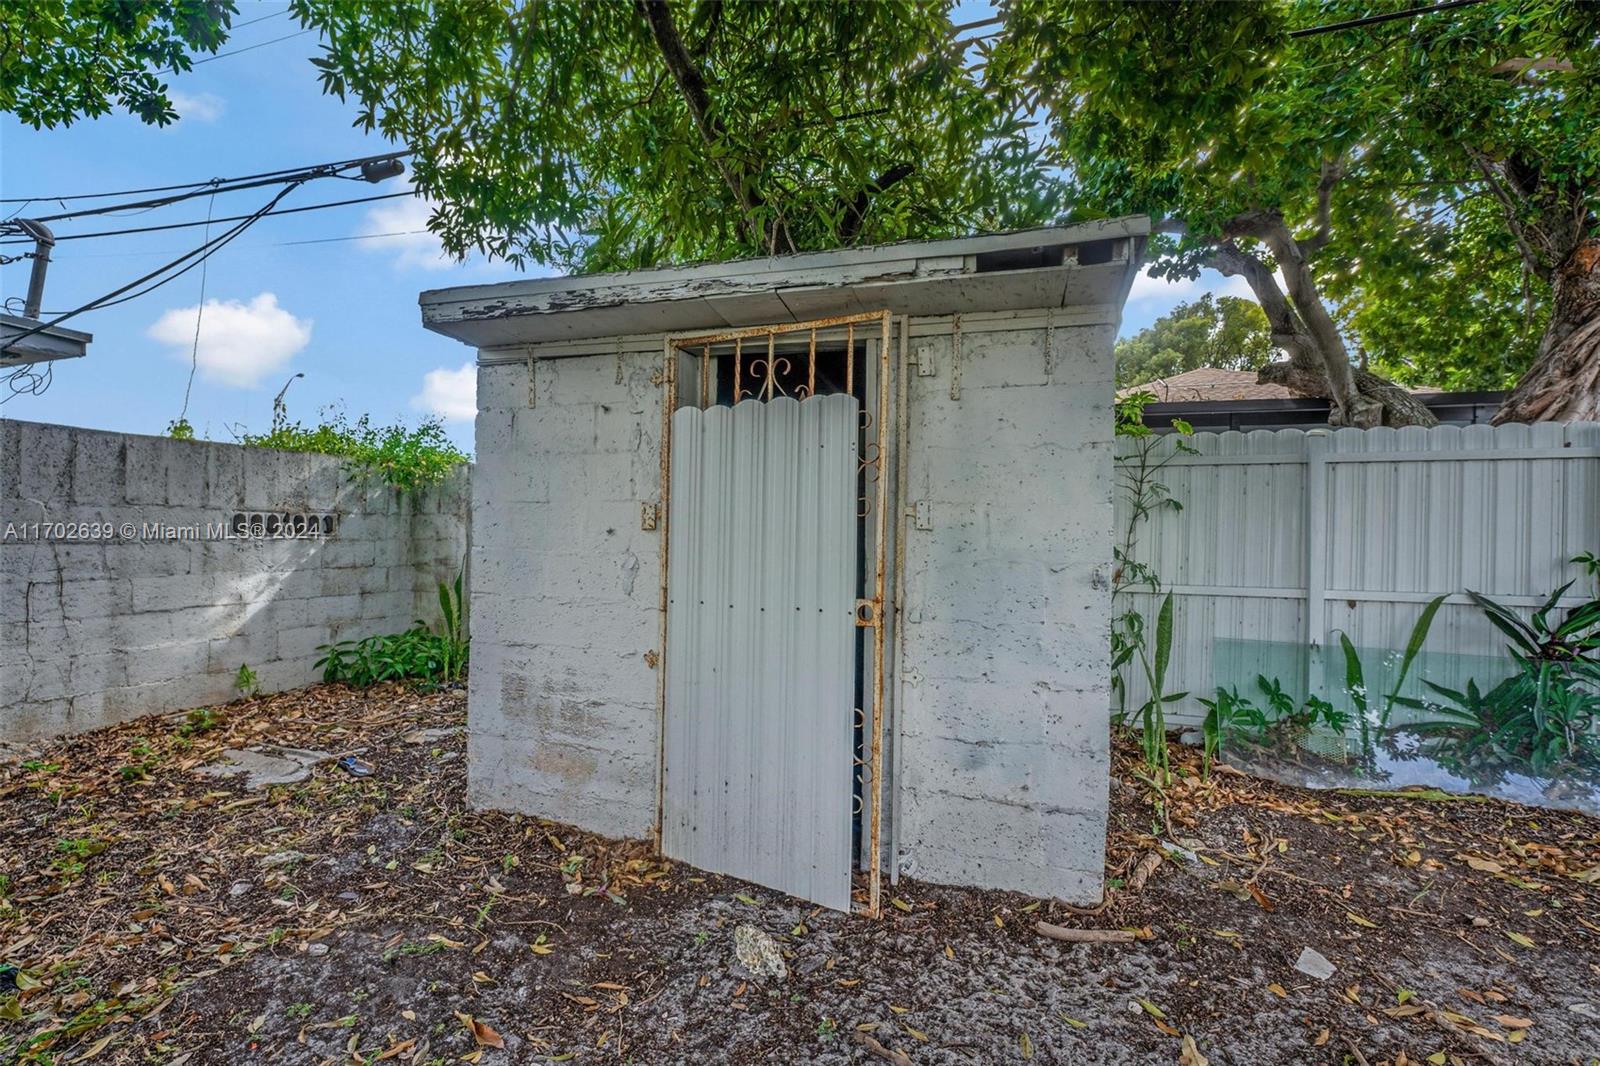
1288,538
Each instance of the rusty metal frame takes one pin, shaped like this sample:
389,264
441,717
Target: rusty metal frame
870,611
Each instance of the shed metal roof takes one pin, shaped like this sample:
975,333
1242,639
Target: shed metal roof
1054,266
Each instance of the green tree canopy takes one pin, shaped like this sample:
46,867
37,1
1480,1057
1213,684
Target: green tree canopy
1225,332
62,60
614,135
1419,188
1265,154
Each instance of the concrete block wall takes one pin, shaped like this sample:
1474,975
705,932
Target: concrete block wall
1003,680
566,590
98,631
1003,683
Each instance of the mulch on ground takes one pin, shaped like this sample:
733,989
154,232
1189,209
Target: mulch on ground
152,913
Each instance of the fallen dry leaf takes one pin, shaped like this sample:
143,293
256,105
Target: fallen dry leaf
482,1033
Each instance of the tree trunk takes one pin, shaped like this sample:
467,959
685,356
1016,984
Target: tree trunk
1563,384
1349,406
1306,372
1399,407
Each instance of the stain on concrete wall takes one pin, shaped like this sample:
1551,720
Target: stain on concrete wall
566,590
96,630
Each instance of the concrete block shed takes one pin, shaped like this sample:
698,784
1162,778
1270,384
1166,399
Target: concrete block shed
799,566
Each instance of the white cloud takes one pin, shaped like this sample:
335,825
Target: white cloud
240,343
450,394
401,227
1170,290
1237,286
197,107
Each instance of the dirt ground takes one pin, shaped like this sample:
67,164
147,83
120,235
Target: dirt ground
150,913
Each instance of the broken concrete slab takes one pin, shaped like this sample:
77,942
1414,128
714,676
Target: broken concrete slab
265,765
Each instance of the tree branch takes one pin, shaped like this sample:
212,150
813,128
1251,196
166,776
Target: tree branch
692,86
1332,171
1350,406
855,213
1288,332
707,17
1508,209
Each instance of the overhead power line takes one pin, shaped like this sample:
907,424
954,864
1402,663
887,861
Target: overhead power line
230,218
1391,16
124,294
355,237
241,51
209,183
153,253
258,18
320,170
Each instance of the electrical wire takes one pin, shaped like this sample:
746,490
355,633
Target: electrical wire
231,218
116,296
1392,16
199,316
353,237
152,253
321,170
259,18
241,51
26,380
209,182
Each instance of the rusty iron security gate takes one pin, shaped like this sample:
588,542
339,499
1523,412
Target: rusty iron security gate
772,599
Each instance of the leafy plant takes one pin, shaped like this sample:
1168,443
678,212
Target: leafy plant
453,640
1146,495
1152,715
406,459
418,654
180,429
1296,720
1574,638
1232,718
246,682
1229,717
1541,720
199,720
1589,562
1355,683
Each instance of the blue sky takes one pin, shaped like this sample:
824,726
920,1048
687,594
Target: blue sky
342,311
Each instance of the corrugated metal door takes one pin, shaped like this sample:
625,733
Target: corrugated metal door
761,643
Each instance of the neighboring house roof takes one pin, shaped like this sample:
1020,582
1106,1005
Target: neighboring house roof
1208,383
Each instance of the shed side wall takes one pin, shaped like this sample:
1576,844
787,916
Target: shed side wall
565,591
1004,683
